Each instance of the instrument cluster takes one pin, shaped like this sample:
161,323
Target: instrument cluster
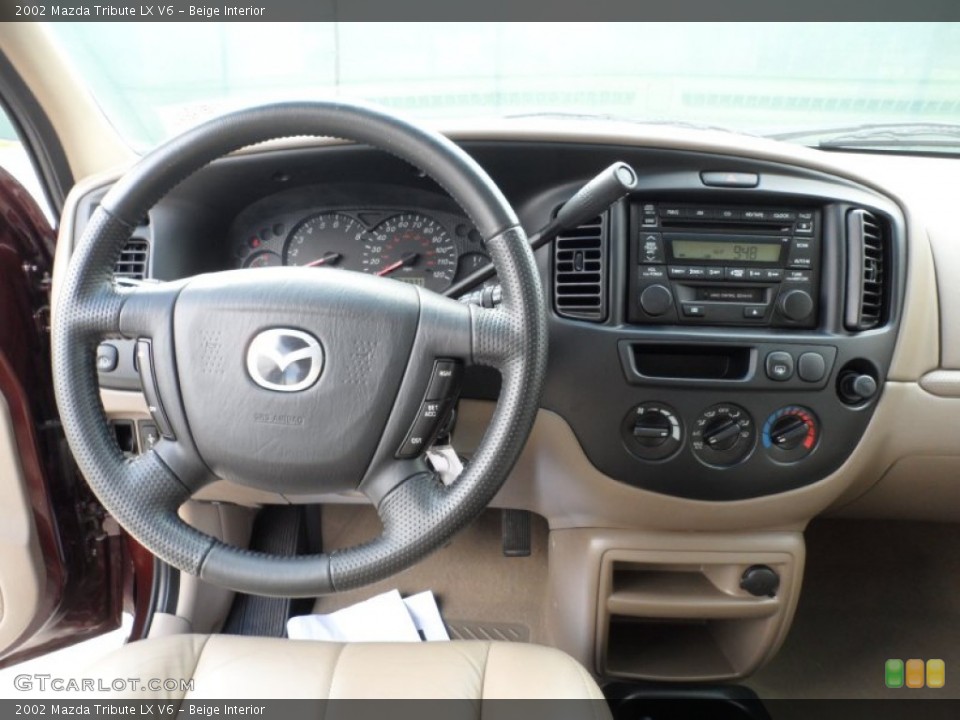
427,248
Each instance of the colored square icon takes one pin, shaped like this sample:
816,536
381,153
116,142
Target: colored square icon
914,674
936,673
893,673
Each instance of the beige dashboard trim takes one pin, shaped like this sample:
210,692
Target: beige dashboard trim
90,143
945,383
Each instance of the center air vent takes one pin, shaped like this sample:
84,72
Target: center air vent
580,272
132,264
866,274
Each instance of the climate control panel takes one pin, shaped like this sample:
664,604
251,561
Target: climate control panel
722,435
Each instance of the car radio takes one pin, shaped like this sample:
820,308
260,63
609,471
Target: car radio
724,265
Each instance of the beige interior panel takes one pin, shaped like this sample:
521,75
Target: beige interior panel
91,144
698,571
22,573
203,606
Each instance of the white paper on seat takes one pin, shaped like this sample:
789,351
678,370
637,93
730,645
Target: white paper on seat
383,618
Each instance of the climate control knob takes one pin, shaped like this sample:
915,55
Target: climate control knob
723,435
652,431
656,300
796,305
791,433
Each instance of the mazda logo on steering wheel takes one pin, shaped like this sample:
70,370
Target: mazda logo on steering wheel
284,360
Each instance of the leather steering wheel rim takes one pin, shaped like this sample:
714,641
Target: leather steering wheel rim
419,514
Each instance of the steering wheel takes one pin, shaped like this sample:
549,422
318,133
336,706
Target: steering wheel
295,380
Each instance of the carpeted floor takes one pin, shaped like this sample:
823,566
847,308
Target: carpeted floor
477,588
872,590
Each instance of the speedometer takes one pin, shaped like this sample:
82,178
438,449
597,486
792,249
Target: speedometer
329,239
412,248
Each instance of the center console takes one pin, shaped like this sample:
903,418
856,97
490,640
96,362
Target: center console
743,331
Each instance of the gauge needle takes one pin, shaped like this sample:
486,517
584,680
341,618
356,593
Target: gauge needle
327,259
405,261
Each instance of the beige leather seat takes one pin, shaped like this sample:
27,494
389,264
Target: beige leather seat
225,666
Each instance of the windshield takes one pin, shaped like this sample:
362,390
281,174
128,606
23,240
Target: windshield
787,79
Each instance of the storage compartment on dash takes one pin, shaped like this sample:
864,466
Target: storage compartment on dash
694,616
692,362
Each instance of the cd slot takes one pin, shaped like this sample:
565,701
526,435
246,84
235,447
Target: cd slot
731,294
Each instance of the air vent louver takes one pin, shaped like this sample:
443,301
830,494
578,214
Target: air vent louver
580,272
866,272
132,264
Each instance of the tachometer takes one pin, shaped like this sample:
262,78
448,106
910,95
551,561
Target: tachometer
329,239
412,248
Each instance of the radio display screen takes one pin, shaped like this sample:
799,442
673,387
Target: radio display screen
731,251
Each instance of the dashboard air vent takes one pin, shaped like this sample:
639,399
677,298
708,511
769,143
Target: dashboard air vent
866,274
132,264
580,271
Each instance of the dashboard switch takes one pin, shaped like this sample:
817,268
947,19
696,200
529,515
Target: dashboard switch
445,381
811,367
730,179
779,366
108,357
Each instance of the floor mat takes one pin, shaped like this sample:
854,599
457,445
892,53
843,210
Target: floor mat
478,589
872,591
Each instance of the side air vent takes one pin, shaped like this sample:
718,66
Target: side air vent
580,271
866,271
132,264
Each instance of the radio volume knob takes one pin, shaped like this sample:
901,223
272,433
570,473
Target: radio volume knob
656,300
796,305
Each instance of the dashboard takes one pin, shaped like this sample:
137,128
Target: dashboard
726,333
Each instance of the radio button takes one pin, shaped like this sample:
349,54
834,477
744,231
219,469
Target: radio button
735,273
807,215
804,227
652,272
728,214
773,274
671,212
755,274
755,214
694,310
715,273
694,271
656,300
700,213
650,249
801,260
754,312
798,276
678,271
783,215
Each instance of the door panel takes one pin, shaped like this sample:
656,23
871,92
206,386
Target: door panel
61,561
